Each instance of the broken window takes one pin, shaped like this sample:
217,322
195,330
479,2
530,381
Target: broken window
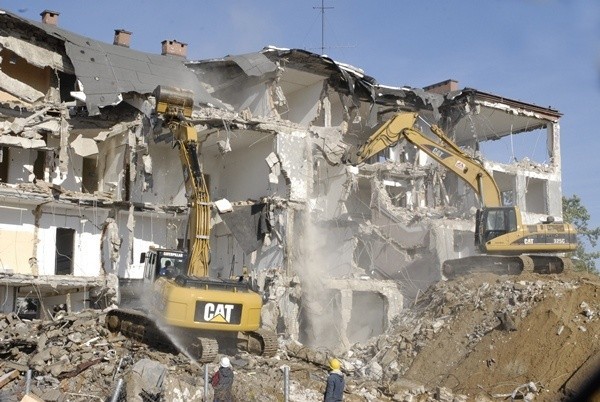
89,182
39,165
506,184
27,308
535,196
67,85
65,245
127,183
4,158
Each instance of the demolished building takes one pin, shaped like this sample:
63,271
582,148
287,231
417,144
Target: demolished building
89,179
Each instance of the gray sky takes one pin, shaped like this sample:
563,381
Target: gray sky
545,52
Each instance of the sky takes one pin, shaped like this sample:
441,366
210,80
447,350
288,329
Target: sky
545,52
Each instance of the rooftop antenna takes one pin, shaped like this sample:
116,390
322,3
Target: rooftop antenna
322,8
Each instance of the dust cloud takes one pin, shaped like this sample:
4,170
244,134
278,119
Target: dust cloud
318,324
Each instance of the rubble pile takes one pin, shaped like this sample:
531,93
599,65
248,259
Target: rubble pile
74,357
455,322
480,338
500,303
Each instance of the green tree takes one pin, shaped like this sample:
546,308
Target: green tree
576,213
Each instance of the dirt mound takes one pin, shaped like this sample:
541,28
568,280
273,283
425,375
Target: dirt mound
491,334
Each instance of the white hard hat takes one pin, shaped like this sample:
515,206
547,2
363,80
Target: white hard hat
225,361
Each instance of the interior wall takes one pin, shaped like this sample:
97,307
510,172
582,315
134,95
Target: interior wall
296,163
331,186
16,247
240,174
253,97
16,67
227,257
86,250
19,160
72,180
150,230
167,177
336,109
304,104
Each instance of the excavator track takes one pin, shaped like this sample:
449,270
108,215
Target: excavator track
505,265
500,265
206,350
138,326
269,341
549,264
261,342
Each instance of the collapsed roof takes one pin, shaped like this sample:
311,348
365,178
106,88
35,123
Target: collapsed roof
105,72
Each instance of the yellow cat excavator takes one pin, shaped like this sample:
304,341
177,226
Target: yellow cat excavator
202,313
506,244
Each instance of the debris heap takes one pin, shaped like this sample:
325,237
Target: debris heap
483,338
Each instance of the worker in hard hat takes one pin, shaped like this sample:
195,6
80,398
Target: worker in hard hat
334,390
222,381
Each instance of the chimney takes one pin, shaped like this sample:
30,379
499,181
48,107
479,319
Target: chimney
442,87
50,17
174,48
122,38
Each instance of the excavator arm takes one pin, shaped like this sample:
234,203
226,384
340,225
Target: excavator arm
446,152
175,105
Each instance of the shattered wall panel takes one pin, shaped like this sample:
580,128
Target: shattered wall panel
332,188
110,166
166,186
296,164
555,207
23,79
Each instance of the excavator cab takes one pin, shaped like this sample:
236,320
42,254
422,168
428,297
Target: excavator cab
163,262
494,222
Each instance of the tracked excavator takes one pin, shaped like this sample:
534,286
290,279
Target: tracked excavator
200,313
506,245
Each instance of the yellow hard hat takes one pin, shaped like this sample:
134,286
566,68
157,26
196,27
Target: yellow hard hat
334,364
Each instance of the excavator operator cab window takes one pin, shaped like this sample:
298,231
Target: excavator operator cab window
499,221
170,264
